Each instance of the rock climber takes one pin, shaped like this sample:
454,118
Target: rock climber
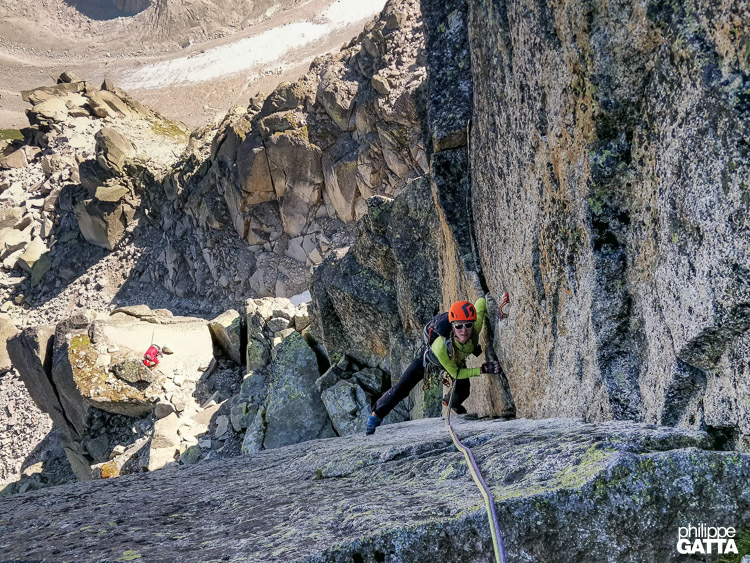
152,355
449,339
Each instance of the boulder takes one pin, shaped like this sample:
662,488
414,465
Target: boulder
111,191
32,253
191,455
226,332
16,159
31,152
271,307
165,432
372,380
252,442
12,240
395,152
61,90
81,375
103,223
295,249
245,406
113,149
286,96
93,176
68,77
30,352
49,109
95,373
7,331
132,370
294,411
257,351
341,370
356,309
341,184
98,448
222,426
337,91
52,163
163,409
159,457
282,334
380,84
108,104
280,122
348,406
15,196
277,324
40,268
301,317
10,217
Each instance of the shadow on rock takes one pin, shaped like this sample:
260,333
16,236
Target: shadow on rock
45,466
104,9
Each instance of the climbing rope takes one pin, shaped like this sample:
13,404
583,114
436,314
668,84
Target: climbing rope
497,540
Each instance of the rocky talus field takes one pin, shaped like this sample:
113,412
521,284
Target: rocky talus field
589,158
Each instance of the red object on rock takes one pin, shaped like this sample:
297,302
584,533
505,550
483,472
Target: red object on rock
152,355
500,313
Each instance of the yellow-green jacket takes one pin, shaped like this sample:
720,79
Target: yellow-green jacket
456,366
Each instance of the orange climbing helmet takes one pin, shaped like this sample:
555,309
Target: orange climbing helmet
462,311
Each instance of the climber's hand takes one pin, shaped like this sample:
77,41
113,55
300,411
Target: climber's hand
491,367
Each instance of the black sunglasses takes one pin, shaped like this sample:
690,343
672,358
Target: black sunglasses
460,326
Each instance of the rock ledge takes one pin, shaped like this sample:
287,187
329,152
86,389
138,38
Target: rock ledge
564,490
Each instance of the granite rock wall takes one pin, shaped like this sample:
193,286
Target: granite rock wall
609,163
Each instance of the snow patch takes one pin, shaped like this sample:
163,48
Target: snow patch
255,54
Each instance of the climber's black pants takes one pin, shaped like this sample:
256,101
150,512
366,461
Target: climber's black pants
413,375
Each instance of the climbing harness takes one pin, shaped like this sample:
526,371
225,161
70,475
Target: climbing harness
497,540
432,374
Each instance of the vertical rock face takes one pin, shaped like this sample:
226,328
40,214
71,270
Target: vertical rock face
293,168
371,302
609,157
450,93
366,307
449,70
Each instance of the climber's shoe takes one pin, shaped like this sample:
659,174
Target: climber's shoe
458,409
372,423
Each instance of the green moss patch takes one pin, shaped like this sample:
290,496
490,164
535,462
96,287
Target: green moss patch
171,129
10,135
